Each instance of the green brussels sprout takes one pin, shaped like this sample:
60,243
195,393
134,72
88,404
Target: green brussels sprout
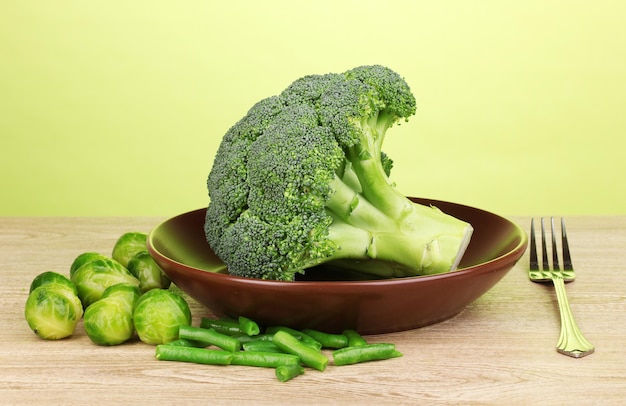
109,321
82,259
158,315
52,278
150,275
52,311
95,276
128,245
123,291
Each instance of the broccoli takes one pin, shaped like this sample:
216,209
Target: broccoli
301,181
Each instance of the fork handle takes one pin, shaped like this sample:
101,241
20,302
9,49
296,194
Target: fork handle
572,342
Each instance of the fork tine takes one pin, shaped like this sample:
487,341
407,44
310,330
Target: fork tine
567,259
544,250
555,252
534,263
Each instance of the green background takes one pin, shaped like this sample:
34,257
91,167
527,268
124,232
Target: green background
118,107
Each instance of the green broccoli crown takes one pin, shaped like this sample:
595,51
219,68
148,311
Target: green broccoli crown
301,180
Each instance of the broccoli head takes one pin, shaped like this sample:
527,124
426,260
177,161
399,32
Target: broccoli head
301,181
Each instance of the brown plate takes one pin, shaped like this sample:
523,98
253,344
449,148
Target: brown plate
370,306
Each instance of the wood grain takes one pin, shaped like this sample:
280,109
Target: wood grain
501,349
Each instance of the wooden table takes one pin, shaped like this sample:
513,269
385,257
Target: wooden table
501,349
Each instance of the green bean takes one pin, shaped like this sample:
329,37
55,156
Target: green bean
244,338
326,339
297,334
287,372
228,327
266,346
210,336
166,352
364,353
264,359
354,338
248,326
183,342
309,356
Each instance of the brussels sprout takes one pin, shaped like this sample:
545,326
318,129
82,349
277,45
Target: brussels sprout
52,311
158,315
124,291
109,321
52,278
150,275
82,259
128,245
94,277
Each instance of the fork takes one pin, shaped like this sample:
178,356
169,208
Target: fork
571,342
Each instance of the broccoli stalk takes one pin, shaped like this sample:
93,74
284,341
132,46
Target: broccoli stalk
301,181
375,221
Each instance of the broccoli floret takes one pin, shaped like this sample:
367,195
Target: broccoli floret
301,180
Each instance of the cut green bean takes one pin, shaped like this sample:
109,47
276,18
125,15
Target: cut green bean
244,338
364,353
166,352
354,338
248,326
265,346
183,342
309,356
210,336
264,359
228,327
287,372
326,339
297,334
